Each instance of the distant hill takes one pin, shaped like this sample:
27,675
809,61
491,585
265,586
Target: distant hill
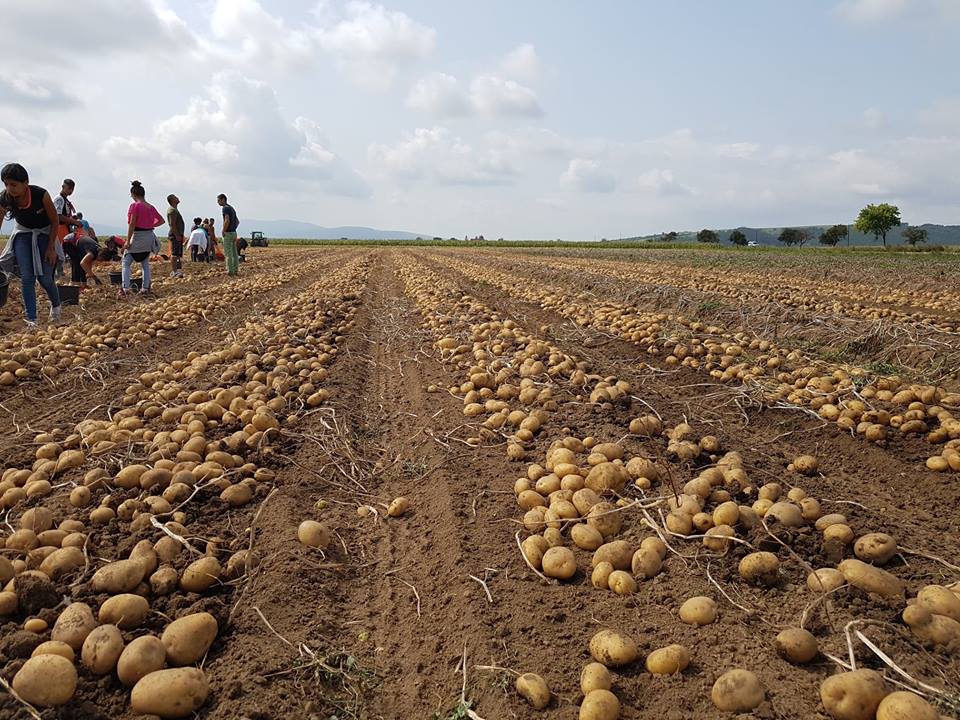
293,229
936,235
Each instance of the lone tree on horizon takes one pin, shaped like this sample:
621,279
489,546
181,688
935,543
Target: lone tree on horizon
793,236
914,235
878,220
833,235
707,236
738,238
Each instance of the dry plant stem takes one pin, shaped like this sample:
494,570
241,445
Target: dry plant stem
272,629
31,710
463,689
530,565
246,564
922,554
485,588
415,593
897,669
745,610
804,616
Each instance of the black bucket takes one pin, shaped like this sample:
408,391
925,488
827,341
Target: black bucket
136,283
4,288
69,294
116,277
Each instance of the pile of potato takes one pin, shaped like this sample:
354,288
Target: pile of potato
189,432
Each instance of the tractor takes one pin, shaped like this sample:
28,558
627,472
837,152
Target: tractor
258,240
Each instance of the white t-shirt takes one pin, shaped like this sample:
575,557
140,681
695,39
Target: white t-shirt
199,238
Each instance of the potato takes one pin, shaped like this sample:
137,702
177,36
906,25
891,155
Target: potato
796,645
786,513
126,611
398,507
939,600
600,577
599,705
603,517
853,695
200,574
669,660
62,561
117,577
646,563
737,690
618,553
559,562
586,537
760,568
805,464
607,477
46,680
313,534
825,580
533,549
613,649
174,693
553,537
727,513
655,544
187,639
838,533
142,656
595,676
871,579
825,521
699,610
939,631
54,647
622,583
902,705
876,548
716,538
534,690
74,624
102,649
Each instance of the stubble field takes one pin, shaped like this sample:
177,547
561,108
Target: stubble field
778,433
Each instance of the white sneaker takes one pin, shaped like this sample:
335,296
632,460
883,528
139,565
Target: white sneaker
31,324
56,313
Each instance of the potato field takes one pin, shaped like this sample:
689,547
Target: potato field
461,483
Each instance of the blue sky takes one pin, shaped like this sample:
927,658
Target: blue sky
518,119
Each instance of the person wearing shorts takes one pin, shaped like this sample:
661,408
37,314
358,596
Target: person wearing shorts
176,226
141,243
230,224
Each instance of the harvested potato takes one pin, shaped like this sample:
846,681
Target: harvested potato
940,600
622,582
604,517
760,568
716,537
853,695
613,649
600,577
117,577
902,705
871,579
599,705
646,562
796,645
144,655
534,690
46,680
398,507
668,660
805,464
825,521
102,649
876,548
700,610
560,563
174,693
200,574
73,625
938,631
313,534
126,611
786,513
595,676
54,647
187,639
838,533
618,553
737,690
62,561
825,580
586,537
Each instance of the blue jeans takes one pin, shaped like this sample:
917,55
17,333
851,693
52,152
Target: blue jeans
28,279
128,261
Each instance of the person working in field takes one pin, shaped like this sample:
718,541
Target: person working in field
67,220
198,241
230,225
142,219
84,250
31,251
176,226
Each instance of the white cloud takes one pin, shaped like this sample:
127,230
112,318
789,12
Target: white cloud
24,91
867,11
237,129
662,182
489,95
437,156
943,115
370,43
262,37
522,63
737,151
874,119
588,176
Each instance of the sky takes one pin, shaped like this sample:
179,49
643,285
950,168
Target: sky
507,118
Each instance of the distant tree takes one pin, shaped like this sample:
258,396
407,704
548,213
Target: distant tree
707,236
833,235
793,236
914,235
878,220
671,237
438,239
738,238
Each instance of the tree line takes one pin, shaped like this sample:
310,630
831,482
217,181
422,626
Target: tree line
876,220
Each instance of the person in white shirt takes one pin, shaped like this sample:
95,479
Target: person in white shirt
198,241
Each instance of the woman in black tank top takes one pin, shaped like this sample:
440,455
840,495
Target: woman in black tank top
32,254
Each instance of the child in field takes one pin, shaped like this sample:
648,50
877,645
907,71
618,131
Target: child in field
142,219
198,241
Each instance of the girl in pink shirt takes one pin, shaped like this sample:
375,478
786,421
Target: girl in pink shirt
142,218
